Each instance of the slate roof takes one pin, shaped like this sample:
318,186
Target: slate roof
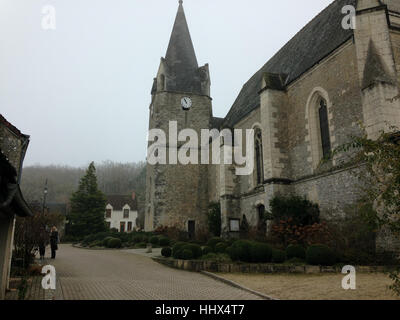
182,67
11,127
216,123
119,201
314,42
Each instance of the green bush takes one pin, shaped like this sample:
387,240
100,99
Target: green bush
295,251
260,252
105,241
219,258
166,252
154,240
207,250
187,254
195,249
96,243
177,250
221,247
141,245
240,250
164,242
213,242
278,256
114,243
320,255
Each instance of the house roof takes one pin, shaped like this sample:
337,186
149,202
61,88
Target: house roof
11,127
314,42
119,201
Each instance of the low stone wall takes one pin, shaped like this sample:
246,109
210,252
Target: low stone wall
197,266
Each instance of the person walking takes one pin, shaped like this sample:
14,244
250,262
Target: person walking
54,242
43,241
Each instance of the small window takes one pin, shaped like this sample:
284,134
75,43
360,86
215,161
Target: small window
108,224
129,226
234,225
122,227
108,213
126,213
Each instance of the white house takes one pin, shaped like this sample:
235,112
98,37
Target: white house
121,212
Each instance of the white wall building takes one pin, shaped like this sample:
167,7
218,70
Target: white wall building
121,212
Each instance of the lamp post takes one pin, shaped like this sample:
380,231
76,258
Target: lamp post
45,191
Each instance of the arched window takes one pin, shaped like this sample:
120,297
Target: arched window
259,156
318,127
324,128
262,222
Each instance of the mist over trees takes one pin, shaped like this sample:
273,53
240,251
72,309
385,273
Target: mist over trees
62,181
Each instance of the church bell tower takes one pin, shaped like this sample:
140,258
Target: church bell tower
176,193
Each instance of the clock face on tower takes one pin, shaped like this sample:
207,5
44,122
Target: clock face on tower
186,103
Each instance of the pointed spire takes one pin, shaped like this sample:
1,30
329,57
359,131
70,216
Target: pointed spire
375,69
180,54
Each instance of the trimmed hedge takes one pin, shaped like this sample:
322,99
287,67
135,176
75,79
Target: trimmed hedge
278,256
295,251
187,254
221,247
166,252
195,249
260,252
105,241
213,242
114,243
320,255
240,250
164,242
154,240
177,250
207,250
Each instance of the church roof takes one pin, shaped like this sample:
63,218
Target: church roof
181,57
313,43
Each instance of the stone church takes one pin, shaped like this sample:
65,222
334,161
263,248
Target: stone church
305,101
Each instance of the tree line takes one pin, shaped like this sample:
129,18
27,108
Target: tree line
63,181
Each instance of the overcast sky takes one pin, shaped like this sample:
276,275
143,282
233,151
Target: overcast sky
82,91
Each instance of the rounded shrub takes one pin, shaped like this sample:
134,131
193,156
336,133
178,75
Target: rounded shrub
206,250
114,243
166,252
320,255
213,242
295,251
177,250
187,254
141,245
154,240
164,242
240,250
221,247
260,252
105,241
195,249
278,256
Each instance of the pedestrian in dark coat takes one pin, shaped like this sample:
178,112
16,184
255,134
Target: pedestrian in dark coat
54,242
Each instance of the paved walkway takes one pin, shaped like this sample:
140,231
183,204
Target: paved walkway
120,275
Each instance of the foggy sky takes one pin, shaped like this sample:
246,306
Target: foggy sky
82,91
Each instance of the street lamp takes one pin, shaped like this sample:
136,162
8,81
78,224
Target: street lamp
45,191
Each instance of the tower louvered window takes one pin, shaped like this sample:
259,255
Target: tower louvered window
324,126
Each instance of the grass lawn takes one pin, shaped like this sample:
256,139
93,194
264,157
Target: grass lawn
370,286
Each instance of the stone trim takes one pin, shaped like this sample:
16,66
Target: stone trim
269,268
